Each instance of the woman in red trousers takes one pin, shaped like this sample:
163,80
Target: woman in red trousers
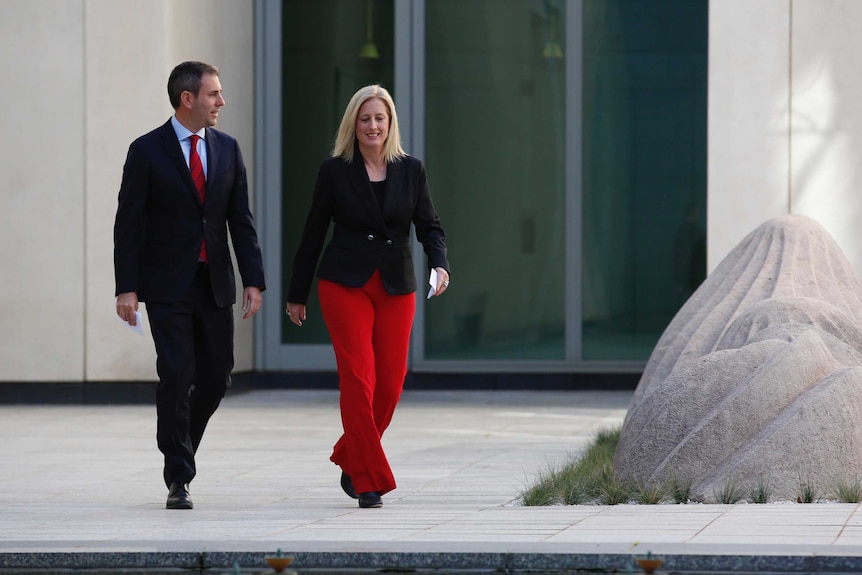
372,191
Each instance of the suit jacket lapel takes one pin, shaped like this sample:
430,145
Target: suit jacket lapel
174,152
213,150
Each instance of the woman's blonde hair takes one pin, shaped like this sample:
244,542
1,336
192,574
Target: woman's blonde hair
346,136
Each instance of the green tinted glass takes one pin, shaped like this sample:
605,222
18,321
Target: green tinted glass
494,137
644,169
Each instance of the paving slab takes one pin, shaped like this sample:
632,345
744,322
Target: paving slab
82,490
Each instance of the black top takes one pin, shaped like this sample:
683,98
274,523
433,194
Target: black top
379,191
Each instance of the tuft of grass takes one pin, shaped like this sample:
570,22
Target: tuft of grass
806,491
680,489
614,492
761,492
544,490
728,494
849,490
574,495
570,487
650,493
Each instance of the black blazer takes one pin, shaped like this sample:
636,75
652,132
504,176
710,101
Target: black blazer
160,221
365,238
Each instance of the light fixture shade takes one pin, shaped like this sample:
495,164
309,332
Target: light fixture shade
369,51
552,47
552,50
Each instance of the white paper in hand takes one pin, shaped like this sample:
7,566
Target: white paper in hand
138,328
432,281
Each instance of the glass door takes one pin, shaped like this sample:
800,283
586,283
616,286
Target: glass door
643,223
495,150
566,145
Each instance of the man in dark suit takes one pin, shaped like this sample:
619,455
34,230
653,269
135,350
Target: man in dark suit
183,185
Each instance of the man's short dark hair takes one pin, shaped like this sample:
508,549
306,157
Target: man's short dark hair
187,77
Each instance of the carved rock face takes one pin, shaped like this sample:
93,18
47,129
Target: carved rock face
758,378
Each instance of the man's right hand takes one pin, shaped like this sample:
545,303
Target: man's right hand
127,305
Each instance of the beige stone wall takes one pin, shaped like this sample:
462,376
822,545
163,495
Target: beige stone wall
82,79
785,126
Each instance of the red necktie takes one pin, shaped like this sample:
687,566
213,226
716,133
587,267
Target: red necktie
200,180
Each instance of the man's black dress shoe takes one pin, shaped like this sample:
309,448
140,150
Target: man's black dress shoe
347,485
178,497
370,499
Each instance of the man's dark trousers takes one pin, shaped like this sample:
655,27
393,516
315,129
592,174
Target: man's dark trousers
194,344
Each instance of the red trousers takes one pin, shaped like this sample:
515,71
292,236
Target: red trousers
370,332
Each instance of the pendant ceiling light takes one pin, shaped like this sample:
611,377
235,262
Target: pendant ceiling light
552,47
369,49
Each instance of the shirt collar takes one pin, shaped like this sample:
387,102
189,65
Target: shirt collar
183,132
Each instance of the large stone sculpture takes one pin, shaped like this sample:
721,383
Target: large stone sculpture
758,379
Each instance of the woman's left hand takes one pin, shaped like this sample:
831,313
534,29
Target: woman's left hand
442,281
296,312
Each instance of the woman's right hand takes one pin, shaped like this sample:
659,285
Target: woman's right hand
296,312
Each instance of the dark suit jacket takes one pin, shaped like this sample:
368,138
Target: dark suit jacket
160,220
365,239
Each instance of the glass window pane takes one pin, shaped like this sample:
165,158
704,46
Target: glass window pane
331,48
644,180
494,129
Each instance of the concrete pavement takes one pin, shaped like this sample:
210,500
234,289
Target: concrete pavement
82,488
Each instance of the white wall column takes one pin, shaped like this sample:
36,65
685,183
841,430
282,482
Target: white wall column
748,120
42,185
826,151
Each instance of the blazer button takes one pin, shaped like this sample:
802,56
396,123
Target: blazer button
388,242
370,237
205,220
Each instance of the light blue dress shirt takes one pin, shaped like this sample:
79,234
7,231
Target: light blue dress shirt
183,134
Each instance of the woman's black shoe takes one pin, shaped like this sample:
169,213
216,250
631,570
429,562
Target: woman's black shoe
370,499
347,485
